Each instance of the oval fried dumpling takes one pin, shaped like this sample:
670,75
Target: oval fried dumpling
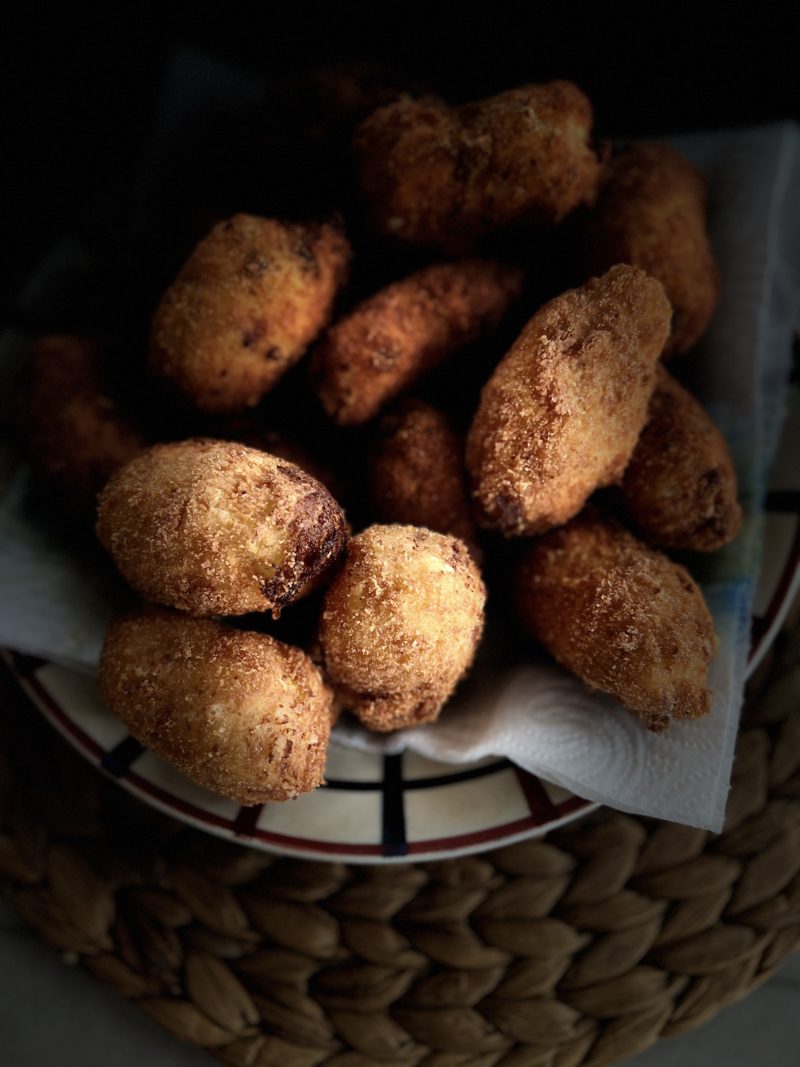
216,528
75,432
405,330
417,474
651,212
400,624
623,617
680,485
445,177
245,306
239,713
563,410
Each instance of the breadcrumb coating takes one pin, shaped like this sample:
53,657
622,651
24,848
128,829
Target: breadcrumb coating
216,528
240,713
563,410
75,433
651,212
680,485
623,617
417,474
445,177
393,338
245,306
400,624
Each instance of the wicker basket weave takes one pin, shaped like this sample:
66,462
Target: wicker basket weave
579,950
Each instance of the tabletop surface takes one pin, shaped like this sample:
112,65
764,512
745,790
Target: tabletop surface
54,1015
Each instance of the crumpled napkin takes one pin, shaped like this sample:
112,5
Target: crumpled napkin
538,716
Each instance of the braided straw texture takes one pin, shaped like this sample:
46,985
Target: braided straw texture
581,949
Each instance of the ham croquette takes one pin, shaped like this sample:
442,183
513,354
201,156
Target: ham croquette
217,528
237,712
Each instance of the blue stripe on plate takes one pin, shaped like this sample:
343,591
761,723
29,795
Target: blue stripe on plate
121,757
393,823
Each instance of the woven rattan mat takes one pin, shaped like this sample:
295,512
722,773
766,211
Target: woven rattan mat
581,949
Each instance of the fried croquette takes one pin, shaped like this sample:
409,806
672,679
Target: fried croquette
240,713
75,433
445,177
680,485
651,212
623,617
216,528
394,337
417,474
244,307
400,624
563,410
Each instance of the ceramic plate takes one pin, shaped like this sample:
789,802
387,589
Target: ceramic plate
378,808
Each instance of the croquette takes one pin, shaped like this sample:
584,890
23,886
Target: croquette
237,712
620,615
563,410
417,474
400,624
651,212
445,177
680,485
395,336
75,433
244,308
216,528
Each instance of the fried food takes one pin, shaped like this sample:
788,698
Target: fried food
651,212
623,617
244,307
75,433
562,412
216,528
394,337
400,624
239,713
417,474
445,177
680,485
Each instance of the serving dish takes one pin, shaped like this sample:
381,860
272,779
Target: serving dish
392,808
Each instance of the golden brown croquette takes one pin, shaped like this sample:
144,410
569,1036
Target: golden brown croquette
75,433
623,617
400,624
216,528
651,212
239,713
445,177
245,306
563,410
396,336
680,485
417,473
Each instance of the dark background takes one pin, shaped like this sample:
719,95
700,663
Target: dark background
80,89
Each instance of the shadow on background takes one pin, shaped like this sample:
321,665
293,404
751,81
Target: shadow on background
82,88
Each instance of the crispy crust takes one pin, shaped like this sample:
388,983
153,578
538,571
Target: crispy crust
75,434
245,306
651,212
216,528
239,713
623,617
400,624
562,412
403,331
445,177
417,474
680,485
